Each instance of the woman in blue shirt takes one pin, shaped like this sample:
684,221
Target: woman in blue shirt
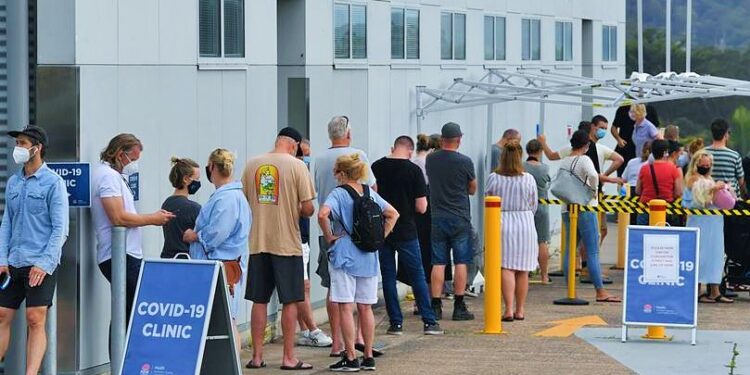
354,272
223,224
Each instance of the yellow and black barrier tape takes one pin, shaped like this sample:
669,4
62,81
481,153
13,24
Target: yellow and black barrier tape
627,208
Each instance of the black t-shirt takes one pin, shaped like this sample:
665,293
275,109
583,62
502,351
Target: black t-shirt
186,212
401,182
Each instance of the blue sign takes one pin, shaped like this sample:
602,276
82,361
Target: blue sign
170,317
77,178
661,276
134,184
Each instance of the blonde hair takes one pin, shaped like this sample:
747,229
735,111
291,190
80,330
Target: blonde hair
692,173
351,166
695,146
510,160
181,168
122,142
672,132
223,160
638,109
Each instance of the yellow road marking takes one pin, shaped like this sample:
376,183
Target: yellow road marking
566,327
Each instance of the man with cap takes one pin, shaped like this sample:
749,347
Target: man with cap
279,189
452,180
32,233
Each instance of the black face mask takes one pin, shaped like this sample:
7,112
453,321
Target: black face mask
193,187
208,173
703,170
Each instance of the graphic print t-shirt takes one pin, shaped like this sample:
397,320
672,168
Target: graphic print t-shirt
275,185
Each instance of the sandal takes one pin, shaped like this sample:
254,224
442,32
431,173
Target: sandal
704,298
722,299
252,365
299,366
507,319
375,352
612,299
518,317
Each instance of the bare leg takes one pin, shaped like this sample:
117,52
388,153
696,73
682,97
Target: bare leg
347,328
522,290
237,339
334,317
304,311
288,326
258,331
544,261
459,279
6,318
509,286
436,280
37,345
366,327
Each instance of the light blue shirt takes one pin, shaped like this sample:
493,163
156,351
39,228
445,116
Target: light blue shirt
35,222
223,225
343,254
645,132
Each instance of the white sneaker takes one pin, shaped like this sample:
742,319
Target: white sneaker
303,338
319,339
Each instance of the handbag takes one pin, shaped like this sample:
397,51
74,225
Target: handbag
724,199
570,188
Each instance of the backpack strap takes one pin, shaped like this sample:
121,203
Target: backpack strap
352,193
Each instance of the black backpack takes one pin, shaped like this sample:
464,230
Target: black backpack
368,229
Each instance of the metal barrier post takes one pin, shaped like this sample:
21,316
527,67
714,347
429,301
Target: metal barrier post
49,366
571,299
119,291
493,265
657,217
623,220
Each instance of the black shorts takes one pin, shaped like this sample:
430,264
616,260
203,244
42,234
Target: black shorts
19,290
267,272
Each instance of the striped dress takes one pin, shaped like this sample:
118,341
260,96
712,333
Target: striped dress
519,238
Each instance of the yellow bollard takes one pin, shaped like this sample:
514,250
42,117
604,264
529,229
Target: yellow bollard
492,265
571,299
657,217
623,220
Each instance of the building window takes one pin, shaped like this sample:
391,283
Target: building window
222,20
404,34
453,36
563,41
350,34
530,39
494,38
609,43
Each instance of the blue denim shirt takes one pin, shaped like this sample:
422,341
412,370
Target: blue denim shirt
223,225
35,222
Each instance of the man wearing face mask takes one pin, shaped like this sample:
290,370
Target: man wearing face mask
32,233
113,205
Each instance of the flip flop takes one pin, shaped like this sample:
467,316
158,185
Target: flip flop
251,365
722,299
704,298
609,299
507,319
375,352
299,366
516,317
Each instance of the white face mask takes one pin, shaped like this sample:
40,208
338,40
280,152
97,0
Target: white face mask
131,168
21,155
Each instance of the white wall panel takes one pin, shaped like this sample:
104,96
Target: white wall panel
138,32
96,32
177,31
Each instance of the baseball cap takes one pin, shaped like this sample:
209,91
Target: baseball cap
33,132
293,134
451,130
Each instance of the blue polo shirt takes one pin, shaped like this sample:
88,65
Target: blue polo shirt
645,132
35,221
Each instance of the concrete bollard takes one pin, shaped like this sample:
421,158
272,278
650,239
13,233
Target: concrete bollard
493,265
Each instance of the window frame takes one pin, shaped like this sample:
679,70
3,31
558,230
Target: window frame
611,30
350,59
453,59
223,59
531,58
406,58
494,37
570,58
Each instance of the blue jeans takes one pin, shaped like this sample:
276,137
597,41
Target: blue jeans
588,233
410,257
451,233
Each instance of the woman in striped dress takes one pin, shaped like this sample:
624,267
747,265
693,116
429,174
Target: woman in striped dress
519,238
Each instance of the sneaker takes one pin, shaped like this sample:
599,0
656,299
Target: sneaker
345,365
470,293
319,339
303,338
460,312
367,364
395,329
448,296
433,329
437,307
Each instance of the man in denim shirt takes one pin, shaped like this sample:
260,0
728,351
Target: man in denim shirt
32,233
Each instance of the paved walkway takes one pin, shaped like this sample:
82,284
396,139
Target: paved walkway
464,351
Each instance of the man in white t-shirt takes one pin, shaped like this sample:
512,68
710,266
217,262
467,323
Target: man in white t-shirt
113,205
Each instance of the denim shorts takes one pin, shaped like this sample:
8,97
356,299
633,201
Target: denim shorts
451,233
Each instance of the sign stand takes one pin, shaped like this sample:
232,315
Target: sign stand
181,323
661,278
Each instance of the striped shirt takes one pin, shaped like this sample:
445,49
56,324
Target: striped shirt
727,166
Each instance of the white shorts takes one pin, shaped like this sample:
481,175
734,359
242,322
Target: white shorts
346,288
306,260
